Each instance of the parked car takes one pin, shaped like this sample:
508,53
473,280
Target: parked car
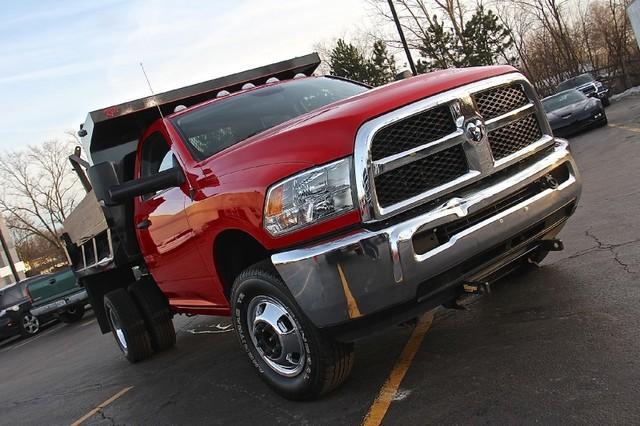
571,111
313,210
57,295
588,85
36,300
15,311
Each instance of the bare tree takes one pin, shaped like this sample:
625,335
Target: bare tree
39,189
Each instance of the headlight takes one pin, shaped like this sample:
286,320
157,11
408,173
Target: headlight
2,312
14,308
309,197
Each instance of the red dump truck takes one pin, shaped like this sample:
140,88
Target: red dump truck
313,210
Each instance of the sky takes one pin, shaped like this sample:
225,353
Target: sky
62,59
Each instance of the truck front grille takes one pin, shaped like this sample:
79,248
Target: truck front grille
428,149
500,100
420,176
513,137
412,132
589,89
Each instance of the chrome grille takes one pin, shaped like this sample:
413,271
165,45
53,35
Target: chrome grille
500,100
589,89
513,137
412,132
420,176
430,148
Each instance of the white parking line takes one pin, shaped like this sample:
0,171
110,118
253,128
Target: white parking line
32,339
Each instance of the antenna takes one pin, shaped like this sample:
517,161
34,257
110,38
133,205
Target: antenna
153,94
164,123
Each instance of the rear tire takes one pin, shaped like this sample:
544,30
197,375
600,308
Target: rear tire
29,324
156,314
292,356
127,325
73,314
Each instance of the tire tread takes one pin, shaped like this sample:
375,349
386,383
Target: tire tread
156,314
138,340
336,358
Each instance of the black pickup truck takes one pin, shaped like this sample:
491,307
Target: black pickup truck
35,300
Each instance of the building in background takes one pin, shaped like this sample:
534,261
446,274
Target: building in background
6,275
634,16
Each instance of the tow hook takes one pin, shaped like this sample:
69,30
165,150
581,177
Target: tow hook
548,181
477,287
552,245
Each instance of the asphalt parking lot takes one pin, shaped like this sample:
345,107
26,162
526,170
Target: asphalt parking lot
559,344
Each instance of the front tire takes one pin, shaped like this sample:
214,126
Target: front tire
29,325
292,356
127,325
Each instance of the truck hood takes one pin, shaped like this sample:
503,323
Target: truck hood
328,133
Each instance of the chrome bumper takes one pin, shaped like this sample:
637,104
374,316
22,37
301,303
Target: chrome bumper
368,271
61,304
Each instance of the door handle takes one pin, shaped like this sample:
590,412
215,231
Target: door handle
143,224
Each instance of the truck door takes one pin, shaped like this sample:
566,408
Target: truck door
161,223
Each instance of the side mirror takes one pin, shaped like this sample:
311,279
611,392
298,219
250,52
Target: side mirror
170,178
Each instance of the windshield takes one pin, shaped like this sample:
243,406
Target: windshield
219,125
561,100
575,82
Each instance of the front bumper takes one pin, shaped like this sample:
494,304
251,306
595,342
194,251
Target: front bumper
593,119
7,327
372,271
63,304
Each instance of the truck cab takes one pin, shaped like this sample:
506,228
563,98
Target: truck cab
313,210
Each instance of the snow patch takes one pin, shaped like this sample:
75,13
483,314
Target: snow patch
628,92
401,394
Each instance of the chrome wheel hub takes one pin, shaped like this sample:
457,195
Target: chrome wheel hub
30,324
117,331
276,336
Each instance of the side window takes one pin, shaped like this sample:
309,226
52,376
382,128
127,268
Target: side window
168,161
156,157
154,153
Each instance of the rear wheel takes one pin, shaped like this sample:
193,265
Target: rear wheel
127,325
72,314
29,324
291,355
156,314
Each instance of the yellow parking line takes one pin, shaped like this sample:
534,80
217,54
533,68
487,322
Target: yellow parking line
352,306
101,406
382,402
629,128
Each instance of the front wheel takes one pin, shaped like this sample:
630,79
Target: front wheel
29,324
291,355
